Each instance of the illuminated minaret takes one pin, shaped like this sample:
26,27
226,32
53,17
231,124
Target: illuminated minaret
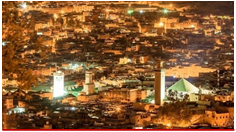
58,84
89,86
159,84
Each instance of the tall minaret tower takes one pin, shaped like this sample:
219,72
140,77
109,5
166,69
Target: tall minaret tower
159,84
58,84
89,86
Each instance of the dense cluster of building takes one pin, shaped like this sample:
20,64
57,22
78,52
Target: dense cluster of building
113,65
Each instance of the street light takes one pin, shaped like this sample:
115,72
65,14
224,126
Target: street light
118,109
130,11
161,24
165,11
141,11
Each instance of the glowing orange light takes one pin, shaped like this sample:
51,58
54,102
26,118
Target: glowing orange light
161,24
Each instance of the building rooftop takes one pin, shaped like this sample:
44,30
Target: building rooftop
184,86
69,83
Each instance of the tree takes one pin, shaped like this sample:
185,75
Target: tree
14,39
175,113
186,97
230,122
172,95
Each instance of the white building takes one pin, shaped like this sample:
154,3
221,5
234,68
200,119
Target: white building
58,84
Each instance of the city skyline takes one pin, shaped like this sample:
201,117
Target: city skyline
118,65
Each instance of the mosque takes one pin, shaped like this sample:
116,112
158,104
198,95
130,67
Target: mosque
88,91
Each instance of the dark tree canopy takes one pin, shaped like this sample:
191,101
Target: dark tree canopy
14,38
175,113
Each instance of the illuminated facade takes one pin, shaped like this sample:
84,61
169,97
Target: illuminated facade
159,84
217,119
89,86
58,85
123,94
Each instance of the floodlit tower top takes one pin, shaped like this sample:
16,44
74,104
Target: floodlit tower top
159,64
58,73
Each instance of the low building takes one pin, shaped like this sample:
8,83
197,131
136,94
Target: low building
86,98
216,119
69,98
222,98
140,119
121,94
194,97
7,82
144,106
9,103
48,95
